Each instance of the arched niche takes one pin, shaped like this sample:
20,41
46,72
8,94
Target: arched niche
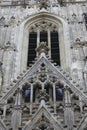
63,32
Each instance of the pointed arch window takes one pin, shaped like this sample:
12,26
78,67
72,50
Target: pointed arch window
31,47
44,32
55,54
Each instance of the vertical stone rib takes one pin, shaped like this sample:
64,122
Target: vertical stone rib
16,115
68,112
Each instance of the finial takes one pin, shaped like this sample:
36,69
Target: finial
43,97
42,49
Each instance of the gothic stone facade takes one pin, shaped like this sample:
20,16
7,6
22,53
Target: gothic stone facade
44,89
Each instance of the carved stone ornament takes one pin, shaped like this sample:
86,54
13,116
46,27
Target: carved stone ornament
42,48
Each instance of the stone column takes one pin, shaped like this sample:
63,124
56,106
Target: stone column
38,39
68,112
50,93
16,115
81,104
54,98
85,75
4,109
85,66
1,76
49,43
31,99
42,86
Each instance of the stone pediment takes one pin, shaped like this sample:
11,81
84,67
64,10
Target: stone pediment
43,116
53,70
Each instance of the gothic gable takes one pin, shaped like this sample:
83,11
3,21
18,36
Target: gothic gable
42,112
44,81
53,70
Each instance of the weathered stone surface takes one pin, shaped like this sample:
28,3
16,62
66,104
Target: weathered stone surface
17,20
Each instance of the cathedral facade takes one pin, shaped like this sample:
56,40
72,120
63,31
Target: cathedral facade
43,65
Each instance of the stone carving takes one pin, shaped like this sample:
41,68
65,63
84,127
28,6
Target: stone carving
41,93
44,79
2,21
8,46
43,26
8,22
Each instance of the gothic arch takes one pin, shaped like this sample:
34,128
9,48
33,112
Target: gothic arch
64,44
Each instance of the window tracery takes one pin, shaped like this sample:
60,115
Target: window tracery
44,31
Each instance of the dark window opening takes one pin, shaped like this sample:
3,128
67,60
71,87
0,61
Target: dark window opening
55,54
10,100
85,18
26,94
31,47
43,37
59,94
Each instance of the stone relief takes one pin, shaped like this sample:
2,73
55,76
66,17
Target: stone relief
44,26
8,22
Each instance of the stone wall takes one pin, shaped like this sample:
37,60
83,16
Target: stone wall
14,25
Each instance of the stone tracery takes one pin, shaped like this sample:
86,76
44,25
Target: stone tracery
45,88
44,96
44,26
